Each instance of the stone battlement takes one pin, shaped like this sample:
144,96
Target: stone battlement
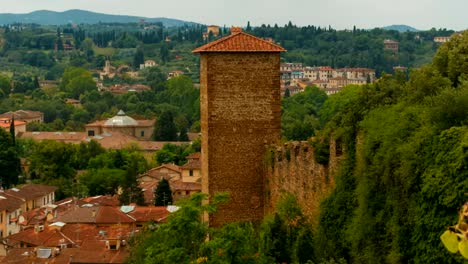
291,167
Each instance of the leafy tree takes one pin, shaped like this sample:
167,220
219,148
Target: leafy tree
164,53
165,129
77,81
299,119
131,192
9,160
171,153
169,243
163,193
183,135
138,58
103,181
5,86
287,93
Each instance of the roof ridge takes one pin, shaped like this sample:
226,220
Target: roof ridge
206,47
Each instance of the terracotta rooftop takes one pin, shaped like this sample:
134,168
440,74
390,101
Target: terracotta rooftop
169,166
239,41
22,114
5,123
185,186
67,137
31,191
192,164
106,200
95,214
112,215
149,213
196,155
9,203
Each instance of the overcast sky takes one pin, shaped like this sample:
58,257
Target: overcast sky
421,14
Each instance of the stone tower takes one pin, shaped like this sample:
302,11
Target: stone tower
240,113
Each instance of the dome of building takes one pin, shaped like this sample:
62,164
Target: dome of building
121,120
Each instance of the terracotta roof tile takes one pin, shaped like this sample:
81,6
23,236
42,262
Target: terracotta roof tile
9,202
196,155
103,200
149,213
31,191
67,137
192,164
239,42
112,215
185,186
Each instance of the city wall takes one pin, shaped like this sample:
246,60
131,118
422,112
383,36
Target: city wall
292,168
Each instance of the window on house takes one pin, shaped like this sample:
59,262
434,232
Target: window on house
190,172
142,133
90,133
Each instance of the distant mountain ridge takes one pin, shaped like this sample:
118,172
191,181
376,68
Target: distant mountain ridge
77,16
401,28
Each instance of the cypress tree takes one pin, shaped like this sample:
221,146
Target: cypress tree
163,193
165,129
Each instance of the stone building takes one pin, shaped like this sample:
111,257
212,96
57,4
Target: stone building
391,45
240,112
25,116
141,129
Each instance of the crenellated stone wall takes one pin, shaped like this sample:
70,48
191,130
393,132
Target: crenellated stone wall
292,168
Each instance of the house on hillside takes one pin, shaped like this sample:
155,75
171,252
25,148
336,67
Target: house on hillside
20,126
25,116
391,45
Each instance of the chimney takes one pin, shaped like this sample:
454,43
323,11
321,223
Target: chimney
235,30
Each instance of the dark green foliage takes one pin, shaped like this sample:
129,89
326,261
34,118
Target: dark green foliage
282,238
77,81
179,239
163,193
102,181
138,58
287,93
176,154
165,129
9,160
321,149
404,176
131,191
286,236
164,53
5,86
183,135
299,119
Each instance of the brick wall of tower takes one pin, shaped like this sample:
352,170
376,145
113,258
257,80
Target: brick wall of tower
240,113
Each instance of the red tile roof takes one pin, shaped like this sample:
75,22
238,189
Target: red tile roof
22,114
31,191
106,200
5,123
192,164
149,213
9,203
239,41
67,137
112,215
185,186
196,155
